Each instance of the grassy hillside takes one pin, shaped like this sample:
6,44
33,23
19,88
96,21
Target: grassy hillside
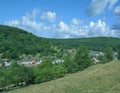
101,78
94,43
14,42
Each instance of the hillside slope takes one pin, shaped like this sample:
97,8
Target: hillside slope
14,41
93,43
102,78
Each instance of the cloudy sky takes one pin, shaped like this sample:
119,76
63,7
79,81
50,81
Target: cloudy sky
63,18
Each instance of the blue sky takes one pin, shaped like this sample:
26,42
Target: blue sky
63,18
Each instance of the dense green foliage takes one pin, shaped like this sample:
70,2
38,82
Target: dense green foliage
15,42
94,43
118,55
15,74
47,71
108,55
80,61
70,65
82,58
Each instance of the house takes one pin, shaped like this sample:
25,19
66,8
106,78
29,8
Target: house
4,60
71,50
58,61
96,53
7,64
26,63
36,61
95,60
30,62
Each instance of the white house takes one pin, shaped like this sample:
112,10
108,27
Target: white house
57,61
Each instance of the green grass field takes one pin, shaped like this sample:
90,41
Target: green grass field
101,78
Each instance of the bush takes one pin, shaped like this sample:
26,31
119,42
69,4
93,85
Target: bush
109,54
15,75
82,58
47,71
70,65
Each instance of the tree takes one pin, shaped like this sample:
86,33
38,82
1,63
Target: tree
82,58
5,77
109,54
58,71
21,74
47,71
6,55
15,75
43,71
118,56
70,65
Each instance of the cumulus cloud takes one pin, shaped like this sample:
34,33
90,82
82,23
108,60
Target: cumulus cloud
116,29
64,30
34,13
94,29
76,21
29,23
112,3
63,26
116,26
98,6
48,16
117,11
98,29
73,29
13,22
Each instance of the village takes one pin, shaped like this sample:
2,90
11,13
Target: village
34,62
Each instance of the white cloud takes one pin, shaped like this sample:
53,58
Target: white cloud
73,29
48,16
63,26
112,3
98,29
28,23
116,29
116,26
64,30
34,13
13,22
117,11
98,6
76,21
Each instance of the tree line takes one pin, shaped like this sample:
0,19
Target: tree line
93,43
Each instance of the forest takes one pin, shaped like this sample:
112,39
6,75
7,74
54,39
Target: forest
15,42
93,43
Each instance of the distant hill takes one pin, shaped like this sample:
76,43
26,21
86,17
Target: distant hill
93,43
14,42
101,78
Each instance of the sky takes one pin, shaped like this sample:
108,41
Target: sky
63,18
